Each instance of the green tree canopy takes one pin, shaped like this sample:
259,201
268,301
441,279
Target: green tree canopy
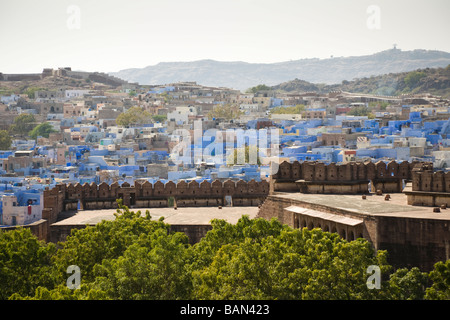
407,284
225,111
298,109
412,78
30,91
42,130
25,263
23,124
244,155
266,260
159,118
361,111
134,116
5,140
440,276
136,257
259,87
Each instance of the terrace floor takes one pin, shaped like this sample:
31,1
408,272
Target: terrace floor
181,216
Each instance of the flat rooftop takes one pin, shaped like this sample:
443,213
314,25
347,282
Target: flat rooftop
181,216
373,205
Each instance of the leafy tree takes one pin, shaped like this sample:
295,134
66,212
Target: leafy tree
62,292
23,124
42,130
382,105
30,91
106,240
407,284
295,264
135,257
134,116
224,233
25,263
359,111
250,153
131,257
412,78
225,111
154,267
440,289
5,140
159,118
298,109
259,87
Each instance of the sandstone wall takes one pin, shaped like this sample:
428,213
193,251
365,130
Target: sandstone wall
182,194
385,177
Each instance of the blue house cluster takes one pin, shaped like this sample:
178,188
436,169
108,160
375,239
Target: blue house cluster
88,145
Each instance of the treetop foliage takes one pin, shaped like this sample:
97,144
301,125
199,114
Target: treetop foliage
134,257
259,87
5,140
298,109
44,129
225,111
134,116
23,124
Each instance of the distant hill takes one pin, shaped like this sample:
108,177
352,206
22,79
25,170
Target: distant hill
243,75
429,80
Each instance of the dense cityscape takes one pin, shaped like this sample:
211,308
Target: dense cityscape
115,131
325,179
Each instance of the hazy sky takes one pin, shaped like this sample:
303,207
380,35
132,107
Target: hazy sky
116,34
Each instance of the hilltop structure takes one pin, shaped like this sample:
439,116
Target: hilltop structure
66,71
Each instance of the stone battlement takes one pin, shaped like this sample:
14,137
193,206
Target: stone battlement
205,194
429,188
431,181
352,177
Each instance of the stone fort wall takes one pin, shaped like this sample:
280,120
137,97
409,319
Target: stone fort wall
352,177
147,195
410,241
429,189
20,77
430,181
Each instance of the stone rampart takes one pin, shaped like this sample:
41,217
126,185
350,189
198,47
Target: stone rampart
429,188
182,194
352,177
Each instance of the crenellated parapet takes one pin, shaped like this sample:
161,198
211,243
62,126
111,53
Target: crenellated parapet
429,188
145,194
430,181
319,171
352,177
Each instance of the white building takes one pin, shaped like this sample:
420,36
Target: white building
181,114
71,94
15,214
249,106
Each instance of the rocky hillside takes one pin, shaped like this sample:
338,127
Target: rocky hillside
242,75
49,83
429,80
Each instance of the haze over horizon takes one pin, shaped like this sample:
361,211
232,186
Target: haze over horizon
115,35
